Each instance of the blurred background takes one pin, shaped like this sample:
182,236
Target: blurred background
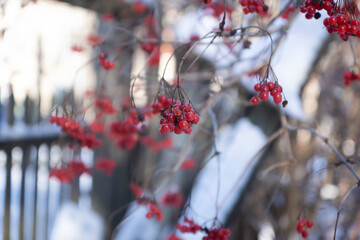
245,168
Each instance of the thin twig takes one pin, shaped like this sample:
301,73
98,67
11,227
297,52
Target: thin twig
332,147
341,205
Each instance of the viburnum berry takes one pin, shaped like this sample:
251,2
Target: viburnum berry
106,64
277,98
207,1
255,100
254,6
177,116
301,225
265,89
257,87
350,77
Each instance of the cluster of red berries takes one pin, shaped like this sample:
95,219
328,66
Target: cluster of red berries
212,234
76,131
301,225
154,211
126,133
177,118
104,106
340,19
254,6
217,234
139,7
173,199
288,11
105,165
189,227
64,174
157,146
350,77
343,26
311,8
106,64
76,167
265,89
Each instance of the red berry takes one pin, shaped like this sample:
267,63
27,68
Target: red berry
183,124
309,224
189,116
304,234
188,131
277,98
149,215
170,117
162,99
257,87
196,119
332,20
254,100
340,19
265,89
177,112
164,128
309,16
271,85
311,10
177,130
264,96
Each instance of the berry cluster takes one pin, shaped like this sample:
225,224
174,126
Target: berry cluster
350,77
254,6
211,234
266,88
139,7
311,8
106,64
217,234
76,131
289,11
104,106
342,19
301,225
105,165
64,174
173,199
150,45
156,146
177,118
173,237
136,190
189,226
343,26
154,211
126,133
